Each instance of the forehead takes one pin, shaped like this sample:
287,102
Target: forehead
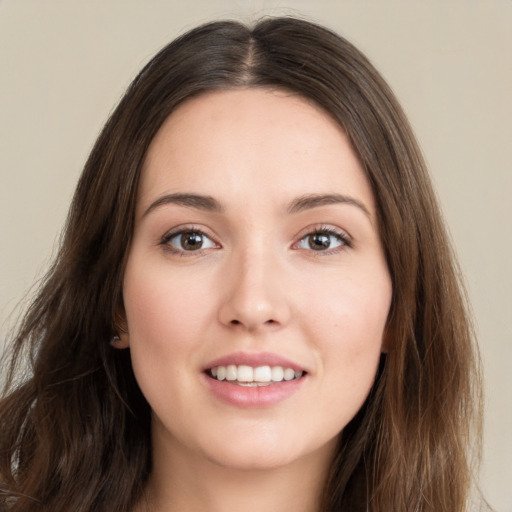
257,141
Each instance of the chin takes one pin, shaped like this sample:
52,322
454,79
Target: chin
263,452
254,460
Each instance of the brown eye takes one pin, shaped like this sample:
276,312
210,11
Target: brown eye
189,241
319,241
323,240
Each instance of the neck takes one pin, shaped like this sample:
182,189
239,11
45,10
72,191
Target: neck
185,481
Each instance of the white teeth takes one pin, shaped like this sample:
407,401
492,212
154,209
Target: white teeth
277,373
249,376
289,374
231,372
244,374
263,374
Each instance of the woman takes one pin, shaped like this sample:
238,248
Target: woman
255,303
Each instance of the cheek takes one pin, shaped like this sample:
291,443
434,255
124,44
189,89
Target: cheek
163,308
353,309
347,327
167,315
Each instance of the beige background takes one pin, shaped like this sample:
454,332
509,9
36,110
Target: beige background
64,64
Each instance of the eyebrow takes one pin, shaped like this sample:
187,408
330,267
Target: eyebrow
309,201
199,202
210,204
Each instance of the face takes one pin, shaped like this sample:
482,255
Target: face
256,291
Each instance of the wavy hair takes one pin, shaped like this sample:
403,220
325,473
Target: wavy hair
74,426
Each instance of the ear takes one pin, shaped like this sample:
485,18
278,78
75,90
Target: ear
121,338
120,341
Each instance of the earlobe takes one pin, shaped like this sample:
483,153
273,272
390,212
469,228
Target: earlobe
122,341
121,336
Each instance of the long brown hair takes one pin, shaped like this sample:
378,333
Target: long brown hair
74,427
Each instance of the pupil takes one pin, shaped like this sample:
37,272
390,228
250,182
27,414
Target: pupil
191,241
319,241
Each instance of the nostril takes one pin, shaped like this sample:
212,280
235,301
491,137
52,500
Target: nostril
267,322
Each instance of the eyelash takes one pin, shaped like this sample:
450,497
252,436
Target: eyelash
342,237
165,241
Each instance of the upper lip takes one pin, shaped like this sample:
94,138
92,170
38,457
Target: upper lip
254,360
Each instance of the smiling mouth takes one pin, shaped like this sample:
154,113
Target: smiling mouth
243,375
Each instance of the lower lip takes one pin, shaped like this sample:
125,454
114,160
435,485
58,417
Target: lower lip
253,397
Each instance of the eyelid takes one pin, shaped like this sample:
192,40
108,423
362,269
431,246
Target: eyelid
186,228
329,229
344,237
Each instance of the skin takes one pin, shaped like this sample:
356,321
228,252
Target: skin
255,285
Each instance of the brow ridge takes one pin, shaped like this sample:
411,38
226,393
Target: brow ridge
309,201
197,201
302,203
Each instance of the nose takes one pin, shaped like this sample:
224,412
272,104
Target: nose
256,297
